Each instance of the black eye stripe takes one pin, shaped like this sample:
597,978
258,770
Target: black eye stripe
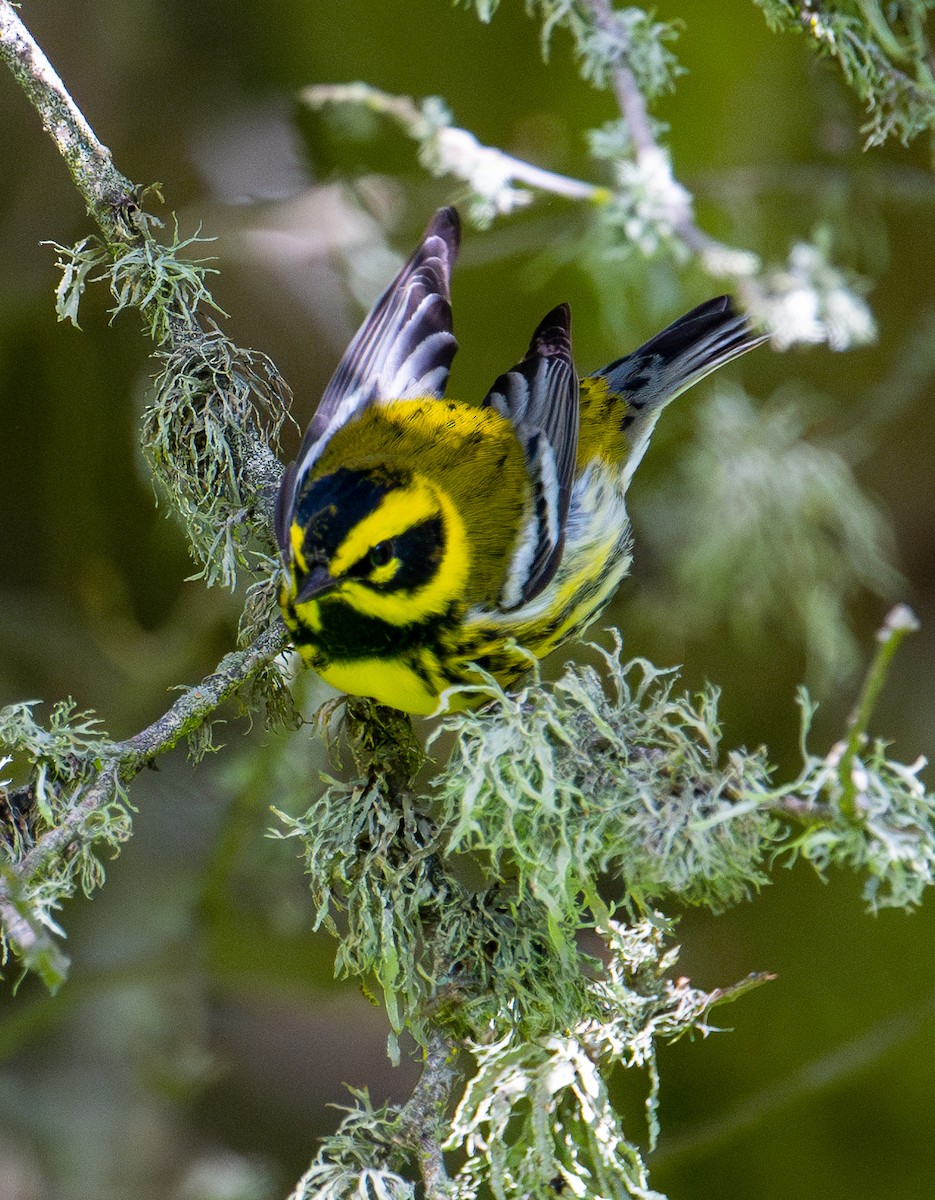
419,550
329,508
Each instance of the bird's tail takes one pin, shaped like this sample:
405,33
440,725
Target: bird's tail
673,361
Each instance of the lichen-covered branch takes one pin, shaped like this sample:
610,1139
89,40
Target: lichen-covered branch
423,1120
207,435
112,200
242,397
717,258
647,210
447,149
77,801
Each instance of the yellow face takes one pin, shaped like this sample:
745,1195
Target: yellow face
379,565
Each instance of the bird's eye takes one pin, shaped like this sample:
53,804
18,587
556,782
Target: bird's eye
381,554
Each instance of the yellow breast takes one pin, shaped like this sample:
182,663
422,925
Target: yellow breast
387,680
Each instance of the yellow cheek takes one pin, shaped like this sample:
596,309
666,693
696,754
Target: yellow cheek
446,586
399,609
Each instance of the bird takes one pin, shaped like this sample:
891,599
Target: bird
429,544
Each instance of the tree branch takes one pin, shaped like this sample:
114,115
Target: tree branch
113,202
209,444
116,765
425,1115
111,197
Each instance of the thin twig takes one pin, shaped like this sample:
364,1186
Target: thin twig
126,759
120,763
899,621
424,1116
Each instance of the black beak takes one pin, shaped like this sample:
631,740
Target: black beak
318,580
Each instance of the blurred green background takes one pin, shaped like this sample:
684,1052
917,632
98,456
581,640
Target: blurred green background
201,1037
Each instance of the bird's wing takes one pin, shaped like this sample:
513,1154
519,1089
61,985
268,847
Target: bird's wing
539,397
403,349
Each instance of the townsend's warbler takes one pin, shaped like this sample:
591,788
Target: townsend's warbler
421,535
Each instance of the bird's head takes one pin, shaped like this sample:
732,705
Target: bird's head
383,541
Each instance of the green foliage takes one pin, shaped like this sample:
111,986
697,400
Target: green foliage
145,275
73,804
392,869
883,51
71,747
484,904
369,853
631,35
810,299
77,264
537,1115
647,204
477,892
768,528
467,906
268,691
444,943
864,811
152,278
612,142
370,858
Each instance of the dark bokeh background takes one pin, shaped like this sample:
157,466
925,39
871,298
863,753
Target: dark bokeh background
201,1036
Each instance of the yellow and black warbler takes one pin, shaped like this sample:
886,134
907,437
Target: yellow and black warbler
421,535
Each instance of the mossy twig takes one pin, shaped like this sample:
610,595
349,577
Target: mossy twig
92,808
167,290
